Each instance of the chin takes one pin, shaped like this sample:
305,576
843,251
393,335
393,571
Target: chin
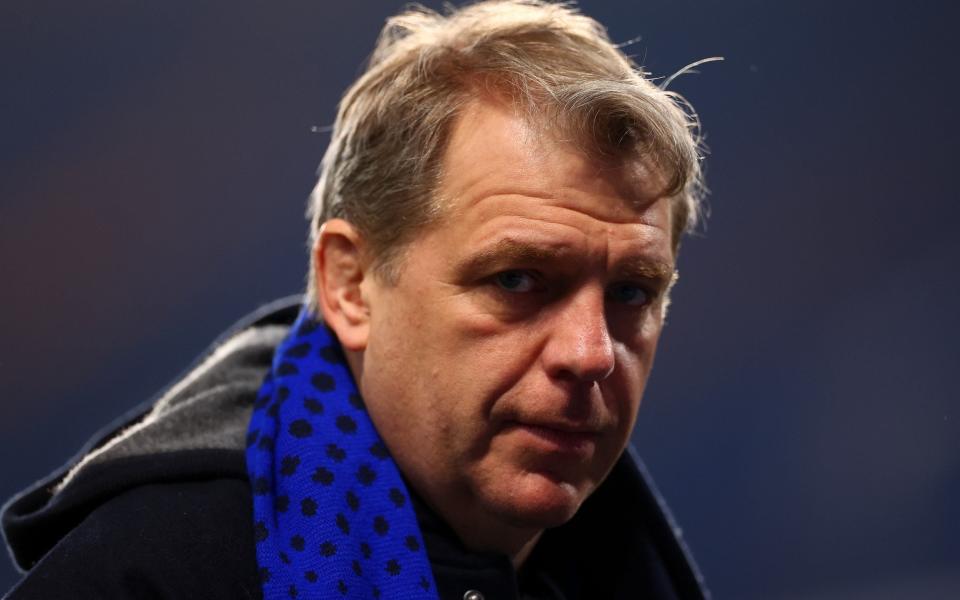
539,501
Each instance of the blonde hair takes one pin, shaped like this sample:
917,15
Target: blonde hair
383,163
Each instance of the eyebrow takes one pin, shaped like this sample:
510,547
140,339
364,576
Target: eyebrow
513,251
645,268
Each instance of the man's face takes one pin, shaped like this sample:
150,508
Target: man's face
505,367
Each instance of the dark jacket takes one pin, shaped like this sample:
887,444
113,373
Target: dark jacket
158,505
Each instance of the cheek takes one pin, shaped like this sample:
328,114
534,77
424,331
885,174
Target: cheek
436,376
639,346
488,354
393,375
629,381
652,326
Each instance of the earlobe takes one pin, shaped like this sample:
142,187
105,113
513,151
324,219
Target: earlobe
339,273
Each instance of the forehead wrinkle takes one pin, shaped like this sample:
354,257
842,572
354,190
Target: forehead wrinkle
544,208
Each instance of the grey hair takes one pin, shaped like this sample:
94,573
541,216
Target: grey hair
557,66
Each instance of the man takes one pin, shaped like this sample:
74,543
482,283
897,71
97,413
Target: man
445,414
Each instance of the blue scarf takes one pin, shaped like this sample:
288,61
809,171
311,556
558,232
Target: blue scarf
332,516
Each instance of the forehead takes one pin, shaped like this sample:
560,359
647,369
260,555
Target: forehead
498,164
492,141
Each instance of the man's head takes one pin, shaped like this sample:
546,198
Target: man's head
557,67
501,206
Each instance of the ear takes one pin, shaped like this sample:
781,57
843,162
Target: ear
339,273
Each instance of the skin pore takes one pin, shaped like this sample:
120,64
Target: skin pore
505,365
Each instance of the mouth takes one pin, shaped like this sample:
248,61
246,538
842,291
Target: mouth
558,438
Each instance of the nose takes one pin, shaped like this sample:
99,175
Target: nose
579,347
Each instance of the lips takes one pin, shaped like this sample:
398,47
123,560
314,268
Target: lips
562,438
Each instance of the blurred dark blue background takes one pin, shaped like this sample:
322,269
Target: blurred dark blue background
803,417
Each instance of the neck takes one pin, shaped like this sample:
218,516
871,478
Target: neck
480,531
521,557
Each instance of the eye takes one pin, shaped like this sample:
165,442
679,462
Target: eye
628,293
516,281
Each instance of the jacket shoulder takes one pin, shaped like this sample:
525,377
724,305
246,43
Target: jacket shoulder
160,540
